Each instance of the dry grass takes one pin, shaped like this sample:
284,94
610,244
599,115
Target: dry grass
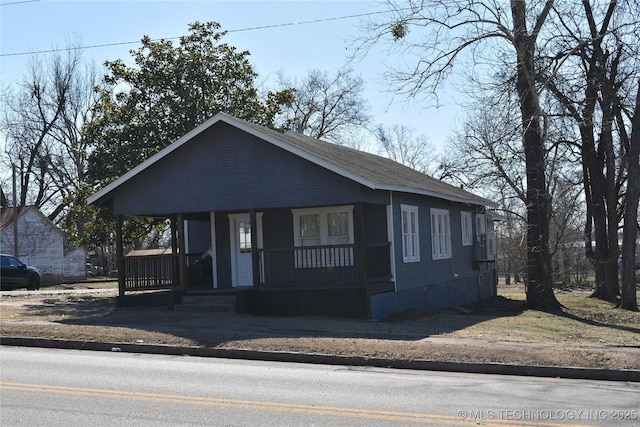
588,333
585,321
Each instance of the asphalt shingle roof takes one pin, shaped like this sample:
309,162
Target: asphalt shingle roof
383,172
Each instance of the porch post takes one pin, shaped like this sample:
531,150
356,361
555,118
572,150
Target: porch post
181,253
358,223
120,255
255,259
175,276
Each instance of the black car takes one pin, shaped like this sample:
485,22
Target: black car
16,274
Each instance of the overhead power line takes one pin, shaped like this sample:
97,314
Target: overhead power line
18,2
262,27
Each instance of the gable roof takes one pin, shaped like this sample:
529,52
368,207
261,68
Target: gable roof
6,217
369,170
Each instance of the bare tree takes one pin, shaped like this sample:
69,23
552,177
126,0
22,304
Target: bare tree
327,106
591,75
41,123
630,231
399,143
449,30
485,155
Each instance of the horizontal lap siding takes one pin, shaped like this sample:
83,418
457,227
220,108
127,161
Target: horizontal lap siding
193,178
428,273
375,224
277,227
199,236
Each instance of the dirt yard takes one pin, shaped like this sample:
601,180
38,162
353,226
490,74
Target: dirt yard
589,333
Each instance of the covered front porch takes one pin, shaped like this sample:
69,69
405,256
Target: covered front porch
355,270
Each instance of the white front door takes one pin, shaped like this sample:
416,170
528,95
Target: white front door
244,272
241,250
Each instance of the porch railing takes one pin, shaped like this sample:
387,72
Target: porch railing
150,272
309,266
329,265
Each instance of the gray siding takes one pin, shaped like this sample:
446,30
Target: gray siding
375,224
429,273
199,236
202,176
277,226
472,288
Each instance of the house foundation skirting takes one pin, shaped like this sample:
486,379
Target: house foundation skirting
347,302
432,297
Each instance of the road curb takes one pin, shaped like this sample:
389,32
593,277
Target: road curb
329,359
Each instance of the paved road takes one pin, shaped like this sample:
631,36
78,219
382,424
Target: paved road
83,388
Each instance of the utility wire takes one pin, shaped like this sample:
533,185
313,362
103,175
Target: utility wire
263,27
18,2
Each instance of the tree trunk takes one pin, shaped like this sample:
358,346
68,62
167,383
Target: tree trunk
629,300
539,265
602,79
604,257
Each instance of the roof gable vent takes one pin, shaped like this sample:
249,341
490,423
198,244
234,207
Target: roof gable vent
228,158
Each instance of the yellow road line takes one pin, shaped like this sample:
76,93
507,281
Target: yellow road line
270,406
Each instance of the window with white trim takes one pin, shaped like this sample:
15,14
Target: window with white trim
467,229
410,234
317,227
440,234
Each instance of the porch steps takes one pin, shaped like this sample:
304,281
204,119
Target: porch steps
210,303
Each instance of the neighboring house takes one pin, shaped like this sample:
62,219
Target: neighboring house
41,244
302,226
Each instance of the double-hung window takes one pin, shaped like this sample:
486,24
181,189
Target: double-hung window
309,230
320,234
440,234
410,234
467,232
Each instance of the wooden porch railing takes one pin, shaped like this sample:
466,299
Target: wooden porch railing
150,272
324,266
310,266
154,271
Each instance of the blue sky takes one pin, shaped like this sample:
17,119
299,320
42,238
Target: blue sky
28,26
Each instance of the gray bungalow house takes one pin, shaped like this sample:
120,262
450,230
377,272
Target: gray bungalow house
294,225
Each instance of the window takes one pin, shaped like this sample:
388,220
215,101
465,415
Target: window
440,234
410,234
244,236
467,233
309,230
316,227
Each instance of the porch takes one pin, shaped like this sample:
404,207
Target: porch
305,268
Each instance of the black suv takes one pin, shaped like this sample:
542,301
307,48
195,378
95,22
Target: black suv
16,274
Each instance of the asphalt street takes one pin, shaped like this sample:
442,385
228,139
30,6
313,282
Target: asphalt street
79,388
